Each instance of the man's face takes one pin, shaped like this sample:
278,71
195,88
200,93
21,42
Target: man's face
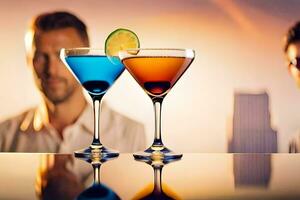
51,76
293,52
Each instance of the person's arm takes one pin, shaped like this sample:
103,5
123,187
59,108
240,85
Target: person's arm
293,147
1,138
294,144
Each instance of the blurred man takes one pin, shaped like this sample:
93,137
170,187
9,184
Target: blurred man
63,122
292,51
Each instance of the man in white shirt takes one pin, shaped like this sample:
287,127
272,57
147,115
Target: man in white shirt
292,51
63,122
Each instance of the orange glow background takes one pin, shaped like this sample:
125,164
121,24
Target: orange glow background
238,47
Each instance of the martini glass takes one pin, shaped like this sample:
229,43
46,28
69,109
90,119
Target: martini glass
96,72
157,71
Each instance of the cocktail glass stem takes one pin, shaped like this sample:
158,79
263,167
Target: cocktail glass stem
157,180
157,103
97,106
96,168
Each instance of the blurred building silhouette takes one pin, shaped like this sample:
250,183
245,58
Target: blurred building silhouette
252,132
252,170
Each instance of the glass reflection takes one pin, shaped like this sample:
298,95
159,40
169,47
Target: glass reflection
97,190
158,190
61,177
252,170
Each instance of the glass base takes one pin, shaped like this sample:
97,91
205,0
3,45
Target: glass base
93,152
157,153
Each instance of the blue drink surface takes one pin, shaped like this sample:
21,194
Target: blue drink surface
96,73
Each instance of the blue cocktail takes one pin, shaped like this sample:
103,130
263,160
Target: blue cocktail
96,72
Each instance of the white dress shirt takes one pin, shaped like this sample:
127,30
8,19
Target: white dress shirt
31,132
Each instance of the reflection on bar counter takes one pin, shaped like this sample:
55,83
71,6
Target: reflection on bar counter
158,190
252,170
59,178
204,176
